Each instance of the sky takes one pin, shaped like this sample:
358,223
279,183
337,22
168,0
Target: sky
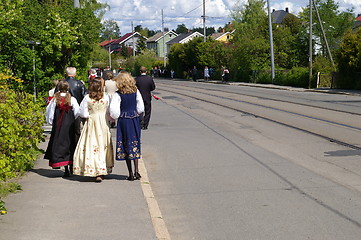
148,13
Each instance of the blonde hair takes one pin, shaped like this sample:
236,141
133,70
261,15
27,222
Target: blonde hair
63,87
125,83
96,88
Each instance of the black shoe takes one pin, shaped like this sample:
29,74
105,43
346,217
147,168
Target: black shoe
66,174
137,176
130,178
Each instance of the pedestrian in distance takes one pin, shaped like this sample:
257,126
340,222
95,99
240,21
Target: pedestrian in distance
61,113
145,85
93,155
110,89
126,106
194,73
225,75
206,73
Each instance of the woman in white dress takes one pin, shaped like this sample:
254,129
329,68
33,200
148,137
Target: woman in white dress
93,155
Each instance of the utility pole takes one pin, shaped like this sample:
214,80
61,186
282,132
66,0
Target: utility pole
271,42
33,43
204,21
324,35
133,40
310,47
164,57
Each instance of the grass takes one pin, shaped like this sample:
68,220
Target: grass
5,189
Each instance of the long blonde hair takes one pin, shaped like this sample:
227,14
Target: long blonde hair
96,88
125,83
63,87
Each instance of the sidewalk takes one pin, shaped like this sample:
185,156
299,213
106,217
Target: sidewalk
53,208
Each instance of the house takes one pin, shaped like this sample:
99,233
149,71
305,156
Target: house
183,38
157,44
357,22
128,40
222,37
279,15
105,44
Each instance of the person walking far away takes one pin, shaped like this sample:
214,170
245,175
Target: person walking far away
110,89
145,85
206,73
93,155
61,113
126,105
225,75
194,73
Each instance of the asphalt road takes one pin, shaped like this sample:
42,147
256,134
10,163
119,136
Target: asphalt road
220,174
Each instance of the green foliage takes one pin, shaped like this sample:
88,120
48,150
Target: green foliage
181,28
296,77
66,35
335,23
349,58
251,36
21,120
110,30
147,59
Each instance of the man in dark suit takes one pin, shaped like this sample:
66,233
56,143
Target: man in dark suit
78,91
146,85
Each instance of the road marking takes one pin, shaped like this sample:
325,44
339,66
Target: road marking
159,226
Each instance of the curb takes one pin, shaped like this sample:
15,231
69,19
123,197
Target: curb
160,228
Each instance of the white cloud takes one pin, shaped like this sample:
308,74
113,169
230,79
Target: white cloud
148,12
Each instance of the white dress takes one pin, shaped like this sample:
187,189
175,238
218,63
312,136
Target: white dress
94,152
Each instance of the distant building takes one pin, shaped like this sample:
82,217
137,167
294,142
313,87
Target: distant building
183,38
222,37
279,16
357,22
156,42
128,40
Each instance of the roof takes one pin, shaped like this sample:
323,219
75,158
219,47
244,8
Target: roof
106,42
125,37
216,36
159,36
155,37
356,24
182,36
278,16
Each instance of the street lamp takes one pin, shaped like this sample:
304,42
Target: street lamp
33,43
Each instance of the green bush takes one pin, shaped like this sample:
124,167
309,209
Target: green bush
21,120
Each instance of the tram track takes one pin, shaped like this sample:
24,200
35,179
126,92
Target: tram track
342,131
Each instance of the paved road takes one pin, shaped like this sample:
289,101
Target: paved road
215,175
218,174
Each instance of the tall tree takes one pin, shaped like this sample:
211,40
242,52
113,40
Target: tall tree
181,29
335,23
110,30
251,36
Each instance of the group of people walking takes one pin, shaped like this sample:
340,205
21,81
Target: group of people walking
89,151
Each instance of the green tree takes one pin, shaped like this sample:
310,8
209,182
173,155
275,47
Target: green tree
335,23
251,37
349,61
110,30
181,29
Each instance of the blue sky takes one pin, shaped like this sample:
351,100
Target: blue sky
148,12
